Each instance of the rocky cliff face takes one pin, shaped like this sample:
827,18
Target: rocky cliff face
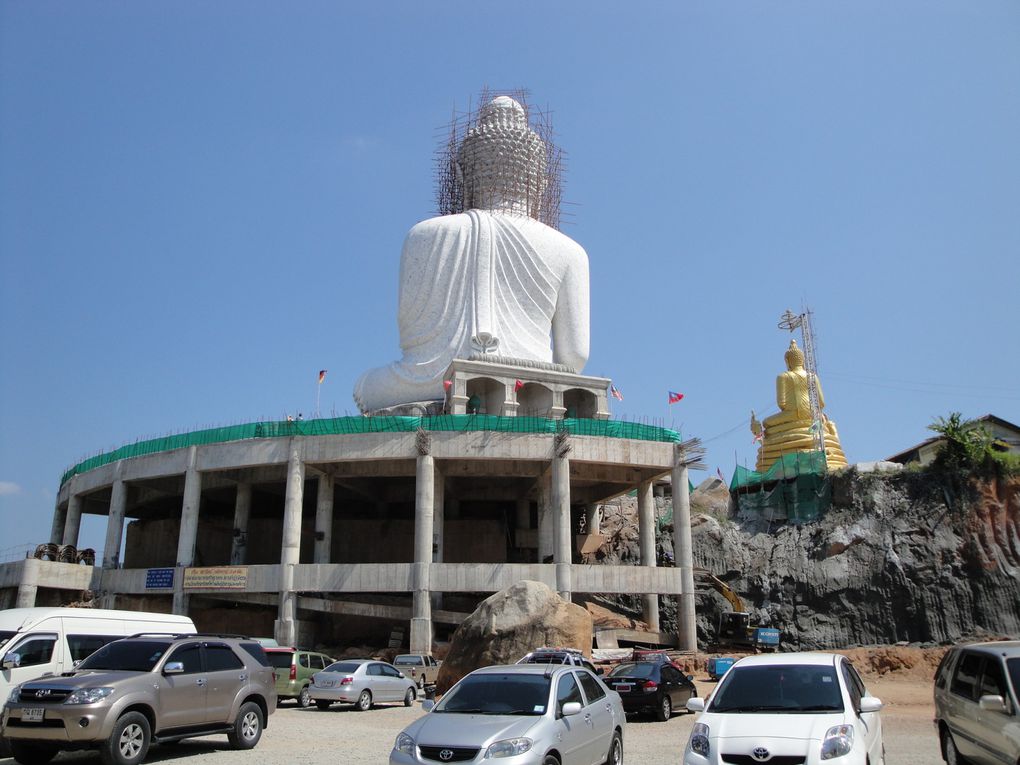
897,558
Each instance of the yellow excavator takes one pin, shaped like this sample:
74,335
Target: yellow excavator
735,626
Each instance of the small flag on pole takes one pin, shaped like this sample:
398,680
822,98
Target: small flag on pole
615,393
674,396
447,384
518,385
322,376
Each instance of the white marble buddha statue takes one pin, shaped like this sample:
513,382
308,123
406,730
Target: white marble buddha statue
492,282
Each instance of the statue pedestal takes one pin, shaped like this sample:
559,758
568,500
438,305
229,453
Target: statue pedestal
484,387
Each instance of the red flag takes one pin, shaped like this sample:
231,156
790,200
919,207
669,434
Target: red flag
322,376
447,384
518,385
674,396
615,393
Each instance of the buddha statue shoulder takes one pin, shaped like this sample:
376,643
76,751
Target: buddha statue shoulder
492,281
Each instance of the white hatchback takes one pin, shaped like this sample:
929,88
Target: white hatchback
788,708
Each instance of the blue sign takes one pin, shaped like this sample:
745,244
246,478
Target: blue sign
159,578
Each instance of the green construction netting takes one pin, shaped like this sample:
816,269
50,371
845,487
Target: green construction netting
343,426
796,487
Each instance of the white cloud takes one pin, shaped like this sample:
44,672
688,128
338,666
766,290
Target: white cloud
9,487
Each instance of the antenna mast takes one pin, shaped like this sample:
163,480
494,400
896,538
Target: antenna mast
790,321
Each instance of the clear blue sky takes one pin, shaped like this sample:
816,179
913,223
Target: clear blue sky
202,204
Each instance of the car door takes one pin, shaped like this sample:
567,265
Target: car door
37,654
378,683
990,727
227,679
398,684
182,696
677,690
871,722
574,732
603,721
962,703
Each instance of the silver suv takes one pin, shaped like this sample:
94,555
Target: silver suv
141,690
976,710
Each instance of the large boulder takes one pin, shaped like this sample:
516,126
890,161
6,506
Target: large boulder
505,626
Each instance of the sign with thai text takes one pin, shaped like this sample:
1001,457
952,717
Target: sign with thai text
159,578
217,578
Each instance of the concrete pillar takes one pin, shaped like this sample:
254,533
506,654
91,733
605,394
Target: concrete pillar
324,520
424,517
29,584
646,541
59,521
687,632
594,513
438,532
522,519
290,552
242,514
72,523
563,538
546,527
115,523
188,536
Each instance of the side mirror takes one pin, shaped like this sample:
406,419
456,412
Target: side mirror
691,678
174,668
992,704
695,705
12,660
870,704
428,705
600,671
571,708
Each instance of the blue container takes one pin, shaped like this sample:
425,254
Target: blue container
717,667
767,636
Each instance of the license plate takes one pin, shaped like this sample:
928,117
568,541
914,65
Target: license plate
34,714
327,683
623,687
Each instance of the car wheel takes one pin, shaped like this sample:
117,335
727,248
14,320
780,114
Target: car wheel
129,742
410,696
950,753
364,702
304,698
323,703
32,754
550,760
615,750
247,728
665,709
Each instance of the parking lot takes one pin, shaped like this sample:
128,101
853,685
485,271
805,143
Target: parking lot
340,735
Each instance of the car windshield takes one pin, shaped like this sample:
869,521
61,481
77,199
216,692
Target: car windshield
127,656
497,694
345,667
782,688
637,669
1013,667
407,660
280,659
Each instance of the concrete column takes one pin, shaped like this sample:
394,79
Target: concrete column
546,527
424,517
687,632
29,585
290,552
115,523
594,513
646,540
188,536
438,532
72,524
324,520
59,521
242,514
563,538
522,518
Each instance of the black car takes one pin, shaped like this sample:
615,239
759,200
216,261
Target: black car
648,686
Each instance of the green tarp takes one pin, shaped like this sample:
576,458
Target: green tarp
787,466
355,425
795,487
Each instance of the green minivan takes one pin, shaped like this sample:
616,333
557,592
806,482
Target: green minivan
294,668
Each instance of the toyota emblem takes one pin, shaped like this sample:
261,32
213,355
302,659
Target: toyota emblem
760,753
446,755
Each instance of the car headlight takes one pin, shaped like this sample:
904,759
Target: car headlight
509,747
88,695
15,694
839,740
699,739
404,744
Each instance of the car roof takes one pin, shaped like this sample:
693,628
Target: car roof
1008,648
355,661
815,658
524,669
279,649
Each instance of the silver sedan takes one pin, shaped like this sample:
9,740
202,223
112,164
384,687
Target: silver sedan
524,714
361,682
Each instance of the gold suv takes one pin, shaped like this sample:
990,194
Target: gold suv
140,690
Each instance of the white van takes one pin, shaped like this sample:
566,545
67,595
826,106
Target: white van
47,641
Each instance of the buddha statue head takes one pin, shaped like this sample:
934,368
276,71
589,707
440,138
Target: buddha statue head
794,357
501,163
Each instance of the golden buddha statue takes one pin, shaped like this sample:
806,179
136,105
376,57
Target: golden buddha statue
791,429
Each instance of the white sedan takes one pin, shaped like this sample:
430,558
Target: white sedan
361,682
796,707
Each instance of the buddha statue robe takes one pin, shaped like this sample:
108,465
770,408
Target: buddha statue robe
792,428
